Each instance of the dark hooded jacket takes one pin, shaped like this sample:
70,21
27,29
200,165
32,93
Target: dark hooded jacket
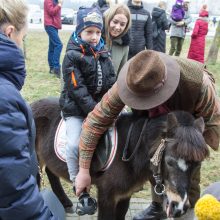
102,5
159,19
87,75
19,195
141,29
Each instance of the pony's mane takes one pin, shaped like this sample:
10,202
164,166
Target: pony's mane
190,144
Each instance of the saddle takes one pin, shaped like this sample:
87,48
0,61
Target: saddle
105,150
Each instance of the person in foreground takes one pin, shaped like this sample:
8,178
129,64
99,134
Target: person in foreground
19,195
88,73
152,84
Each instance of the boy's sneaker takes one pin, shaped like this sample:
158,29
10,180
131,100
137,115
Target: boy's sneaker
86,205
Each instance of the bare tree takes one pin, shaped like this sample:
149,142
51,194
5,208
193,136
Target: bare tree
213,51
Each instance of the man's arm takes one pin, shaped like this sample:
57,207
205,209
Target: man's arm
209,108
97,122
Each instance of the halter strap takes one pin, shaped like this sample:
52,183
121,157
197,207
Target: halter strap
159,188
157,157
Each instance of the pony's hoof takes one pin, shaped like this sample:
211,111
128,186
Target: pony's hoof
69,210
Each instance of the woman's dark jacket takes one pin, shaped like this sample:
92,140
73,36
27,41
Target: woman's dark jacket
141,29
87,77
19,194
160,19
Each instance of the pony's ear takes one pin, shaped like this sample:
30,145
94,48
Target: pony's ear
171,121
200,124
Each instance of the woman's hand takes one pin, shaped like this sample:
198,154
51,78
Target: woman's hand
83,181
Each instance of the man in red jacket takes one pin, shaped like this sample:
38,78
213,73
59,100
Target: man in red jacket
52,22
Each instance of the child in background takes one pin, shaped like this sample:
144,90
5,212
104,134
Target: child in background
88,74
197,45
177,13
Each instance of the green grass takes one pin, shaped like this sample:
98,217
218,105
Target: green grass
40,84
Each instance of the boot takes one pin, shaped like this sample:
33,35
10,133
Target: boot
153,212
56,72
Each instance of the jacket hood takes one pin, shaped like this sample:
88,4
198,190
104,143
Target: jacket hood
203,13
156,12
75,43
12,64
130,5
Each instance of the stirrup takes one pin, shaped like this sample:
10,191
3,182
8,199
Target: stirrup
86,205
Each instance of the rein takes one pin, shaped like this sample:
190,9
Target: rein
125,157
159,188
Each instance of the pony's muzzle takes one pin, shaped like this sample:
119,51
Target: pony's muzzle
175,211
176,206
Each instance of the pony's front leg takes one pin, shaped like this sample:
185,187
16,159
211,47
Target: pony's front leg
122,208
106,209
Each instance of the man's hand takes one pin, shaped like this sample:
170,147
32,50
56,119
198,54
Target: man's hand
83,181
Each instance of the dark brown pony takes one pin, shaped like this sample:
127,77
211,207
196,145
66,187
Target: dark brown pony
171,146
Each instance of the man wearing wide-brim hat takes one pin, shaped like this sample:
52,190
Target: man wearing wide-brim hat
153,83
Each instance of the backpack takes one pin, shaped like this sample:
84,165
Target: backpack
155,29
177,13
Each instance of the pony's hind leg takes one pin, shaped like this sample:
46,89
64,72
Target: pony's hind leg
58,190
122,208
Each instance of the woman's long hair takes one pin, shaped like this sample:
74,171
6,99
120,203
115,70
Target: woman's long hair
109,15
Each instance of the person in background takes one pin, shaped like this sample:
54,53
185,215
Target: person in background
200,30
180,84
141,28
178,31
19,195
214,20
52,23
177,13
87,73
159,20
117,23
102,5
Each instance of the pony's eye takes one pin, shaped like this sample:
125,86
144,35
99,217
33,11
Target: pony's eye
171,163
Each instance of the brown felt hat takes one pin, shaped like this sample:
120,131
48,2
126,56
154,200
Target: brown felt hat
148,80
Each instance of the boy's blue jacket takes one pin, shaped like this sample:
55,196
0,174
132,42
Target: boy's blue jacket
19,194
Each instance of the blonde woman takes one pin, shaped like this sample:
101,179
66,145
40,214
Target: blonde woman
117,23
19,195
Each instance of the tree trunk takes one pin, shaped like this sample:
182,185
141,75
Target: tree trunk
213,51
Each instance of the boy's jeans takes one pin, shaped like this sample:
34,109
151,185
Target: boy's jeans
73,131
